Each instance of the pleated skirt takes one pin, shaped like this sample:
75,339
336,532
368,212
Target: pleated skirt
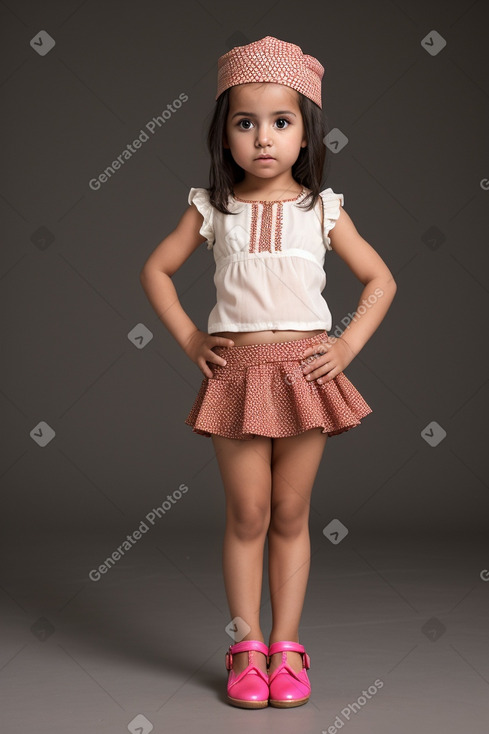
262,391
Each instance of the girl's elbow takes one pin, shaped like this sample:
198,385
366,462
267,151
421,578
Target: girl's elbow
390,282
145,272
391,288
385,283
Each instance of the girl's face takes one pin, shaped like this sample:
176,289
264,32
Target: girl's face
264,119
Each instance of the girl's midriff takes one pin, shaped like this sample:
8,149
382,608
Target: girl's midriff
241,338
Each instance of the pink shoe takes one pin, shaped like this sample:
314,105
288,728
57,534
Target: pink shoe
249,689
288,688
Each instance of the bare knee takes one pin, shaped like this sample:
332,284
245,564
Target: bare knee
289,518
249,521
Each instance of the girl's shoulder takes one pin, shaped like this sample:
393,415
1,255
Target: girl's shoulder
330,198
200,198
197,193
330,212
331,203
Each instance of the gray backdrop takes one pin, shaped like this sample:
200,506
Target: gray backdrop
93,433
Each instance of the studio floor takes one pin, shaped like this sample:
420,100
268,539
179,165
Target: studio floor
396,628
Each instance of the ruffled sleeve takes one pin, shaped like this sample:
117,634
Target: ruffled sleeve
200,197
331,210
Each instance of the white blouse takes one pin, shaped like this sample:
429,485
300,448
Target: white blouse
269,261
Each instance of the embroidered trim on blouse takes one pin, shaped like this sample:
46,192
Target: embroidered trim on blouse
267,236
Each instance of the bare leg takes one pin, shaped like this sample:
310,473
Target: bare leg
295,461
245,468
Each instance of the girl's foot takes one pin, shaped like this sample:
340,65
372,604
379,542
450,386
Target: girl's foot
247,685
288,682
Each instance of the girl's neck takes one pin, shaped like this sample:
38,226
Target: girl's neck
267,191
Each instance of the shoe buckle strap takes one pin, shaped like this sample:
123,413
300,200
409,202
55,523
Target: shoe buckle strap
286,646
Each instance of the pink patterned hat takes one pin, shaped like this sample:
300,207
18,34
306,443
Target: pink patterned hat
271,60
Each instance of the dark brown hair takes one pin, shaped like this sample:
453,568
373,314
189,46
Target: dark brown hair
307,170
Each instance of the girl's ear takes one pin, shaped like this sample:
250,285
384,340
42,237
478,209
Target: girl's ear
304,143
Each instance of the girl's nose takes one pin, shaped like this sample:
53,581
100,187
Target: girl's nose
262,137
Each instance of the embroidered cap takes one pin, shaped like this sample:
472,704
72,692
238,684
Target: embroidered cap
271,60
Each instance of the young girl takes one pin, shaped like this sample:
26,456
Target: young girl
277,388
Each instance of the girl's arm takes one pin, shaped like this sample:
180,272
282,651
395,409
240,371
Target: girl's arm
371,270
156,280
375,300
158,269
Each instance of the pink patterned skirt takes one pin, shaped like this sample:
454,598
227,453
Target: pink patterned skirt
262,391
